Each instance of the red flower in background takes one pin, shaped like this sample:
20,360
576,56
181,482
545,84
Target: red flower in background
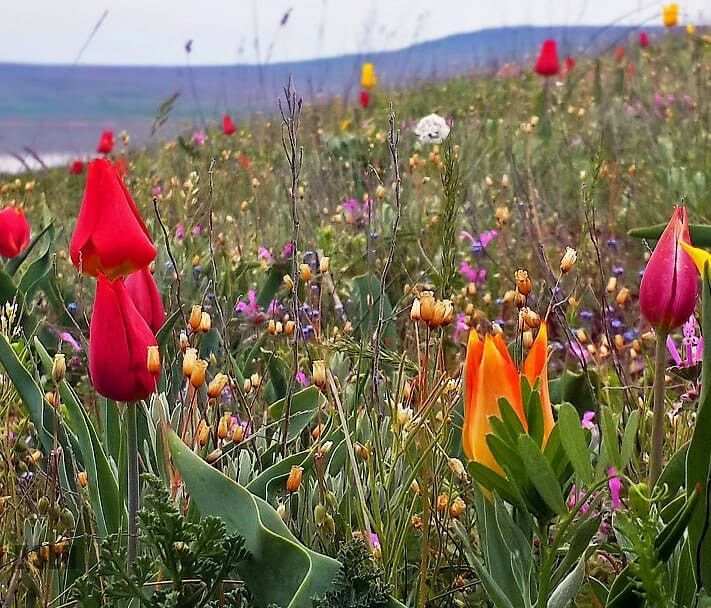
569,64
14,232
76,168
364,100
228,127
121,166
142,288
110,237
106,142
643,40
619,53
118,344
547,63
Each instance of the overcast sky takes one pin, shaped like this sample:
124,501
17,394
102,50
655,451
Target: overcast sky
154,32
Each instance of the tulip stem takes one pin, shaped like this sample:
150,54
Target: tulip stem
656,455
132,454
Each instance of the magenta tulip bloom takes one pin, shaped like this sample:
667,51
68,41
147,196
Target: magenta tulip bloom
667,295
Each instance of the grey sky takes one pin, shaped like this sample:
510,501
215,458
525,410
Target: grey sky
147,32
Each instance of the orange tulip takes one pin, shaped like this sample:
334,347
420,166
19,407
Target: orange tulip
490,374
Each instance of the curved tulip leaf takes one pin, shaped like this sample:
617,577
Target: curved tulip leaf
700,233
367,292
304,406
541,474
41,414
572,437
101,480
698,459
280,570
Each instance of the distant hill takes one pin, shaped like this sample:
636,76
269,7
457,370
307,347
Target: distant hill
61,109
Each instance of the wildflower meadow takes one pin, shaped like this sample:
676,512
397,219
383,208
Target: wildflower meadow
443,344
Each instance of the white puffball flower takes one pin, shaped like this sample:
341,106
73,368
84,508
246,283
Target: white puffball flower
432,129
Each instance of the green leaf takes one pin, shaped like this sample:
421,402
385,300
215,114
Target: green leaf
541,474
494,482
279,570
275,279
104,496
367,292
14,264
304,406
609,436
700,234
578,546
629,438
698,460
575,388
572,436
673,473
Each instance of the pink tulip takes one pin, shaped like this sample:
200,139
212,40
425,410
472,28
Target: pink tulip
667,295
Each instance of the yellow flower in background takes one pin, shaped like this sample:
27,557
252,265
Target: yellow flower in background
368,80
691,29
670,14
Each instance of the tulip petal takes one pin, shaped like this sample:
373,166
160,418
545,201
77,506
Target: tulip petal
699,256
535,368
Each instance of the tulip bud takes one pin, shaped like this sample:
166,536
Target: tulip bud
442,502
59,368
611,284
205,322
288,281
197,377
289,327
667,294
294,480
189,359
223,427
568,260
324,264
203,432
217,385
153,364
527,339
195,317
82,479
622,296
256,380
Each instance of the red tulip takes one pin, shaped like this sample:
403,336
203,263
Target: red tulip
547,63
643,40
110,236
619,53
142,288
228,127
569,64
14,232
118,344
106,142
76,168
667,295
364,100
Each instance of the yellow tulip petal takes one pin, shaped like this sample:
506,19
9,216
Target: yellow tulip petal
699,256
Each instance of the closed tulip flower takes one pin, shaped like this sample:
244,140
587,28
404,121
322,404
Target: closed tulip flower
142,288
490,374
547,63
667,295
228,127
106,142
110,237
119,339
643,40
364,100
14,232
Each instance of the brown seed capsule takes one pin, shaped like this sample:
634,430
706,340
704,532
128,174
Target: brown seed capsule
197,377
457,508
153,363
59,368
203,432
294,481
415,312
319,373
217,385
189,359
442,502
523,282
528,339
205,322
568,260
195,317
238,433
82,479
427,306
223,427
